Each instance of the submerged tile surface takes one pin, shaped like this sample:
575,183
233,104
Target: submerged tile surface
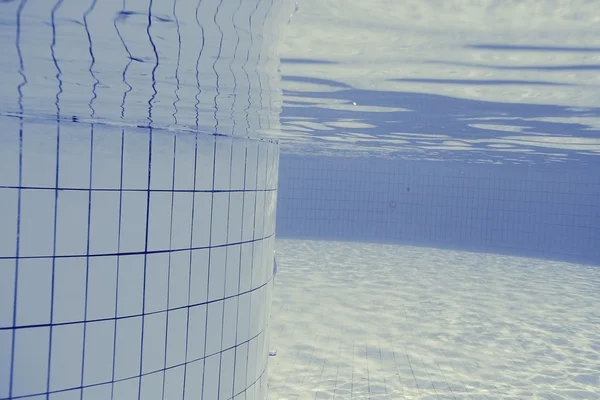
369,321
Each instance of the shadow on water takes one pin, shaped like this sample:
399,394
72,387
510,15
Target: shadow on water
527,48
566,67
438,171
434,124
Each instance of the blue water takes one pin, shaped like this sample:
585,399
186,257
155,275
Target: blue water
487,82
479,121
472,126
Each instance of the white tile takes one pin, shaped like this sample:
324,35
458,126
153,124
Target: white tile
74,394
7,292
177,329
163,156
154,337
128,348
184,161
174,383
5,361
193,380
248,224
156,282
205,163
102,287
9,152
252,160
214,330
97,392
74,160
37,223
67,356
69,289
238,166
259,216
104,223
217,273
30,371
226,374
252,371
219,219
196,333
98,357
106,168
182,221
72,223
152,386
159,223
135,159
179,279
232,273
235,220
230,317
261,172
246,268
131,285
39,155
133,222
255,308
211,377
241,357
199,276
201,233
8,228
223,162
258,266
126,390
243,324
34,291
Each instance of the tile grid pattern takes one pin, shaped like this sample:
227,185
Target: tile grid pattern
133,263
551,210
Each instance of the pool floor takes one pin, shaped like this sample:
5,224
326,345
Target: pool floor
369,321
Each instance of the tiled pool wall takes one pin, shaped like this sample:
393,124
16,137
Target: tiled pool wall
134,263
136,247
548,210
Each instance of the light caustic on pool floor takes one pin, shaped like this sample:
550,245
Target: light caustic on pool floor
388,322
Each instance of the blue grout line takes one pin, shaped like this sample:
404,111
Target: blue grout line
187,324
136,376
91,173
19,200
145,261
212,206
132,190
237,319
56,184
19,327
87,259
135,253
114,356
148,197
225,267
169,264
250,314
